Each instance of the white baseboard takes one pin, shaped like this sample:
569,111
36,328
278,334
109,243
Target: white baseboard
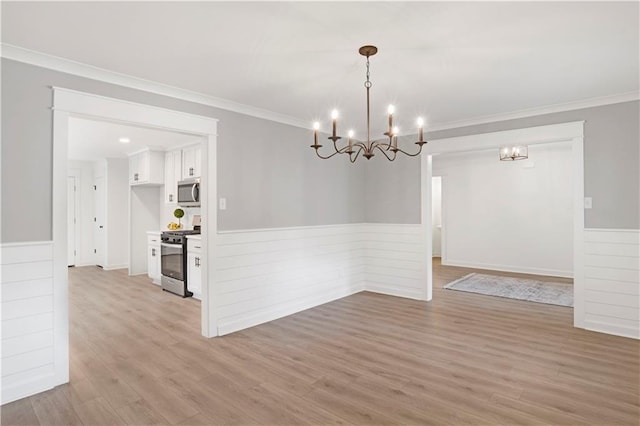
508,268
80,265
114,267
397,291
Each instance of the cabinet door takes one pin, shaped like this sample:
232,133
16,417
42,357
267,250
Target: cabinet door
194,274
153,263
188,160
143,166
197,161
134,176
191,162
170,178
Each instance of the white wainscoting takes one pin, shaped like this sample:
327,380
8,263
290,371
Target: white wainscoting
395,260
612,281
27,319
262,275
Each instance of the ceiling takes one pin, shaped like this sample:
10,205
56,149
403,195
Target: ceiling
445,61
91,140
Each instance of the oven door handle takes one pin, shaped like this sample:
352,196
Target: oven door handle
169,245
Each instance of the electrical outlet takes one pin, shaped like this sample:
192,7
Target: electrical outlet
222,203
588,202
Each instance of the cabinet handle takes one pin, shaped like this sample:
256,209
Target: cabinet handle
190,171
197,247
170,197
153,252
198,262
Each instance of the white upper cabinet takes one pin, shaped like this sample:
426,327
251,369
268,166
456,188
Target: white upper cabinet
146,168
172,174
191,162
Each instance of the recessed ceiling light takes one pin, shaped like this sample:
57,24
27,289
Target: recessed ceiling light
124,140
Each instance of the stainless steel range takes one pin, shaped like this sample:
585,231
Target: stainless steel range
173,251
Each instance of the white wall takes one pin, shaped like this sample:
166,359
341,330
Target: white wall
436,216
83,171
513,216
117,214
266,274
612,281
144,207
28,313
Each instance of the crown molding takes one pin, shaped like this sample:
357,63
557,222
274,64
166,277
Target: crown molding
100,74
68,66
532,112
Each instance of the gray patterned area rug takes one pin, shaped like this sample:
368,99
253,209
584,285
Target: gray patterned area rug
515,288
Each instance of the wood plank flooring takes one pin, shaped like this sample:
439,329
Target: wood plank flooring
137,358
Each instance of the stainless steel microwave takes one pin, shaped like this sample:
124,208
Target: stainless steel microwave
189,193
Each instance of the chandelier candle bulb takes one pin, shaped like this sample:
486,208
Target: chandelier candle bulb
316,127
350,142
334,117
390,110
420,128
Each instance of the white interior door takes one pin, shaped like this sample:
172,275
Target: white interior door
99,221
71,220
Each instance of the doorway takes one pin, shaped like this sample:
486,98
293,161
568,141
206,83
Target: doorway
68,104
98,221
566,132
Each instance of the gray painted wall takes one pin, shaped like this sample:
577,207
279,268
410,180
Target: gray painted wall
270,176
266,170
611,167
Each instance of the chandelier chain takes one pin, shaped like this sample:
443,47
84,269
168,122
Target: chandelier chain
368,83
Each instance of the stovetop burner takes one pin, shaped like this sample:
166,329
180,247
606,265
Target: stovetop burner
183,232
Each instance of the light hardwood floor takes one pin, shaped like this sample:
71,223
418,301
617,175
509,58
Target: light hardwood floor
137,358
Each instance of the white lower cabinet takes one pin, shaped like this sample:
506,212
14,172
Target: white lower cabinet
153,257
194,272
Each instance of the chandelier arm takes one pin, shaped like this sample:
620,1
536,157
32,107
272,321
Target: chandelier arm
411,155
335,146
328,156
384,146
361,145
353,158
385,153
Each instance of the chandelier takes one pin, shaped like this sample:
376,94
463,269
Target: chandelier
353,148
513,153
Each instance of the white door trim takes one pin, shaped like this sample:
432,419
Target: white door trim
565,132
71,103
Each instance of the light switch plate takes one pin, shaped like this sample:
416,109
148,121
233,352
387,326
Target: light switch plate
588,202
222,204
